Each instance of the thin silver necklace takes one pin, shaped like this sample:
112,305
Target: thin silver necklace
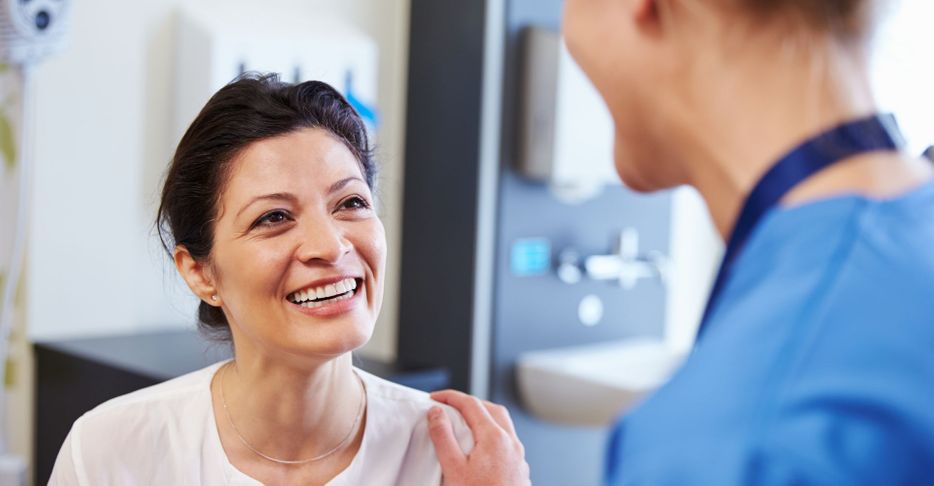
336,448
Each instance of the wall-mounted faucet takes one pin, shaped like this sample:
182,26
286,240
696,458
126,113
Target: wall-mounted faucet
625,264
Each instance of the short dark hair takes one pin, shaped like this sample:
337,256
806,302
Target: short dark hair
847,18
251,108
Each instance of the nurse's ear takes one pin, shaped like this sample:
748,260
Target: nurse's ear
649,19
655,17
645,10
197,275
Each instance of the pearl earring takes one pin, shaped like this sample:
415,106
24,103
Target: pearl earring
213,297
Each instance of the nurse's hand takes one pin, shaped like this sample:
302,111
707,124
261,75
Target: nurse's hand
497,458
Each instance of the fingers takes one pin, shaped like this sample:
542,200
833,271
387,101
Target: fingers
497,457
526,473
473,411
442,435
501,415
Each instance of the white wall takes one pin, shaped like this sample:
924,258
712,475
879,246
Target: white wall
903,69
695,251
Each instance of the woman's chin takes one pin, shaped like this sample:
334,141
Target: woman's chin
322,342
350,340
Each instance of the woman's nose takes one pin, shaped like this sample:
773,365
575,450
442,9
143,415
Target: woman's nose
323,241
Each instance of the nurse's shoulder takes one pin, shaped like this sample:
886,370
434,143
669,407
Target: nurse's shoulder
153,434
816,374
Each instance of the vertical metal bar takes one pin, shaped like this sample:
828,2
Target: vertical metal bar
485,256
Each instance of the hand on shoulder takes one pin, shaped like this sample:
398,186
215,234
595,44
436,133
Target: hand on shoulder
497,458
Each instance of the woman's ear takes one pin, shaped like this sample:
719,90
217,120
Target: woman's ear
197,275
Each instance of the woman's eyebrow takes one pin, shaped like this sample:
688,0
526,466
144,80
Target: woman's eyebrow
343,182
278,196
286,196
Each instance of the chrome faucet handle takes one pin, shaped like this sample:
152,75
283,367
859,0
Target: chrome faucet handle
627,265
660,263
569,270
628,247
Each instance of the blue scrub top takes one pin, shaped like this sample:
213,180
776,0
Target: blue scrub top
817,365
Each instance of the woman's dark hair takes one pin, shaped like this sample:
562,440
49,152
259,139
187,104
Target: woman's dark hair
253,107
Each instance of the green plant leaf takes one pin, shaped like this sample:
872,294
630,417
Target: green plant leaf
7,143
9,381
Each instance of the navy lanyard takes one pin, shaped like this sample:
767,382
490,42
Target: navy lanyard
878,132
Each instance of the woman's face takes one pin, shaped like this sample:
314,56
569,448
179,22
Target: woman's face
298,251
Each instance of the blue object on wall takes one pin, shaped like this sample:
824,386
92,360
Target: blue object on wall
530,257
367,112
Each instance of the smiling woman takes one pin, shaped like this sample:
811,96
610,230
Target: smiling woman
267,211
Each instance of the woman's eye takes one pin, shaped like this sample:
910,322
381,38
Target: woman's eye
271,218
355,202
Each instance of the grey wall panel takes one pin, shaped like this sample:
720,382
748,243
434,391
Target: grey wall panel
441,177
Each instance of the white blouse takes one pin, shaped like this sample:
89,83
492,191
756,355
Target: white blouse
166,434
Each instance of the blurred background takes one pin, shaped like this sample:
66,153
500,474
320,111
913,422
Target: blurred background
519,268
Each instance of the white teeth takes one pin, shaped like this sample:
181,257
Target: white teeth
319,303
342,289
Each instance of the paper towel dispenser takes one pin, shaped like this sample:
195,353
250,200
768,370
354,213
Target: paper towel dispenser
565,128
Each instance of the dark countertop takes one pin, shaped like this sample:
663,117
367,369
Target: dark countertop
164,355
157,355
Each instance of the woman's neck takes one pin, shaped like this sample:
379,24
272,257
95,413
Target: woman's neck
291,412
761,107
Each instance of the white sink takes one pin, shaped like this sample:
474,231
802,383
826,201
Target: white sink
591,385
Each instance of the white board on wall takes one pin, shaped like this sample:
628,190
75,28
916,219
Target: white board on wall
215,45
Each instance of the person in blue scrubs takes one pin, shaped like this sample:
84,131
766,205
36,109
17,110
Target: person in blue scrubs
814,362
